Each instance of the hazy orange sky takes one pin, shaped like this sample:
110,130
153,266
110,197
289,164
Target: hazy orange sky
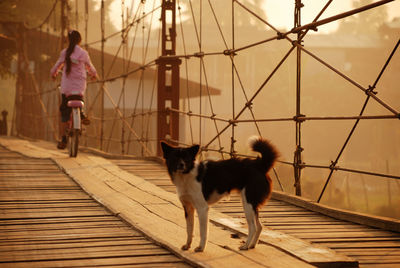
280,12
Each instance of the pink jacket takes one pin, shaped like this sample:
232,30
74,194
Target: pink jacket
75,82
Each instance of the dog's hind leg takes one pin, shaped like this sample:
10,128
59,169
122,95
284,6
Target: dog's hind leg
251,222
189,216
258,230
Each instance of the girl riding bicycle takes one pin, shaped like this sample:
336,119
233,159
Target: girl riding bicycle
75,62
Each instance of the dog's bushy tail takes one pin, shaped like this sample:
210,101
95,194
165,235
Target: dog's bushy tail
268,152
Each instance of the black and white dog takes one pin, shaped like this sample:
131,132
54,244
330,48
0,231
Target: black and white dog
200,184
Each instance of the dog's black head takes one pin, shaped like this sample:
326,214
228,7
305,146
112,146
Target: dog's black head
179,159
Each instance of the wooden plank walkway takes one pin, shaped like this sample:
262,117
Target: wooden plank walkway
372,247
47,220
158,214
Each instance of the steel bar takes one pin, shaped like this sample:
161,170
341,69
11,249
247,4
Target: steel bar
233,141
211,117
298,152
41,92
111,79
317,118
352,171
254,44
102,28
314,25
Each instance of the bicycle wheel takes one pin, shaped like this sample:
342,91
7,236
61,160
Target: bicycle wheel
73,142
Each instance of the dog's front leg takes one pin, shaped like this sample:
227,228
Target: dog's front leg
189,216
203,222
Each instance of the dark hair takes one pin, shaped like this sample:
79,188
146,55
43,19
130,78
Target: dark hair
74,38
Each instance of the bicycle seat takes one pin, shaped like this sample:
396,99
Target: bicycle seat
75,103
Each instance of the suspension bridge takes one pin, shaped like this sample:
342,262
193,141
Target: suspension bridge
190,72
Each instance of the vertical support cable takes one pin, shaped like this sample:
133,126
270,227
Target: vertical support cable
125,69
62,43
102,75
19,83
86,22
76,15
186,75
86,18
63,24
141,89
200,71
233,81
297,154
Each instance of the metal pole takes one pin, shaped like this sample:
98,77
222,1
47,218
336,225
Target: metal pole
62,44
297,154
233,141
102,76
63,24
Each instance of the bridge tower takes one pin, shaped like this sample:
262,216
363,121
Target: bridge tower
168,77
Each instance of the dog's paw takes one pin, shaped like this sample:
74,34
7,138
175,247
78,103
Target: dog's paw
185,247
244,247
199,249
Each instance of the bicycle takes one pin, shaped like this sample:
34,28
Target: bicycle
74,126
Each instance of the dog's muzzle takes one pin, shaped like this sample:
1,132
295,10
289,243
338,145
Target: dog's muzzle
182,167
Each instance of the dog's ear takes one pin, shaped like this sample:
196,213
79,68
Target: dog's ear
166,149
194,150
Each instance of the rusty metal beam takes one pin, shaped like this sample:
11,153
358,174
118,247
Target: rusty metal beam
168,77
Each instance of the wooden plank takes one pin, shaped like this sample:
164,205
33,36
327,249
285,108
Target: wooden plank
84,226
117,239
371,251
46,205
357,244
351,236
80,253
137,244
72,232
379,265
27,167
324,228
361,218
137,261
42,195
58,220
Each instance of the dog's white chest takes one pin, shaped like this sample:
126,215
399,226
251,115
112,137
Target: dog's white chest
185,183
188,188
